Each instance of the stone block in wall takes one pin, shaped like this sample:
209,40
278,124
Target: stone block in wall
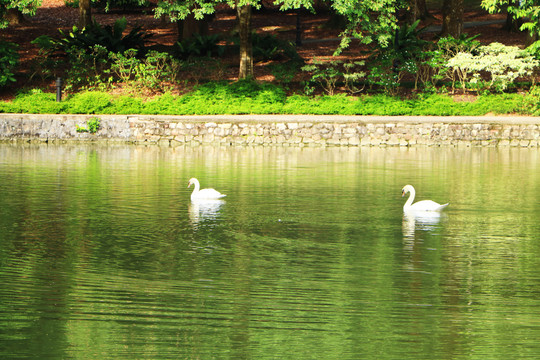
354,140
365,141
393,140
334,140
208,138
292,126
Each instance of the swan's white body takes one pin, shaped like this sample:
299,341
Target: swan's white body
424,205
204,194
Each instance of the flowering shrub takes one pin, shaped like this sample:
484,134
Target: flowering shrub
501,64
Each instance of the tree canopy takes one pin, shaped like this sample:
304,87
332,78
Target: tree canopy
528,10
26,7
369,21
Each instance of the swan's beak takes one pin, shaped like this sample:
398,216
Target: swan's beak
189,184
402,193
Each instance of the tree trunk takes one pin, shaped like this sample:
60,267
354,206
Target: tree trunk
14,16
512,24
190,26
246,47
452,12
417,10
85,13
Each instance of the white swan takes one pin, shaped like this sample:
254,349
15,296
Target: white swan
204,194
424,205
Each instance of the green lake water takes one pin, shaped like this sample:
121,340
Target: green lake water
103,255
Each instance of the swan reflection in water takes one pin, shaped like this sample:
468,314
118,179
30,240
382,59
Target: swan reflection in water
419,220
201,210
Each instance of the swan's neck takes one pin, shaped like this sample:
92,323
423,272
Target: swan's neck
410,199
196,187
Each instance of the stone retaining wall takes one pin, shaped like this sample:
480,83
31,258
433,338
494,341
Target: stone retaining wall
297,130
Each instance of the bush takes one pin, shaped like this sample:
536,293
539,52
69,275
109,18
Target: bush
432,68
246,98
110,37
451,46
92,126
152,72
284,72
91,102
269,47
389,64
9,59
33,102
87,69
82,57
200,69
501,64
329,74
199,46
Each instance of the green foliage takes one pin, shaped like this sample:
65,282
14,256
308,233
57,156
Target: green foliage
107,5
152,72
329,74
82,57
179,10
156,70
501,64
98,68
432,67
389,63
9,59
239,97
326,74
26,7
255,98
369,21
199,69
89,102
270,47
199,46
34,102
45,64
284,72
110,37
72,3
352,76
123,64
87,68
92,126
526,10
127,105
450,46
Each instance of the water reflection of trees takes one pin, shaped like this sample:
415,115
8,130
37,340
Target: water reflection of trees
122,233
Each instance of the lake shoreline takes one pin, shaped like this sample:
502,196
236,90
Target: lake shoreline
276,130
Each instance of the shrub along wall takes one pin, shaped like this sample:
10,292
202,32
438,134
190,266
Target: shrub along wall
283,130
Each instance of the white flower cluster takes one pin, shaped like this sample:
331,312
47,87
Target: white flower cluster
501,65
